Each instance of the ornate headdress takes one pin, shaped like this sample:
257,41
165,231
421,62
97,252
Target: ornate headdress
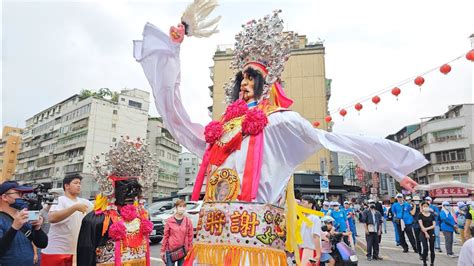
263,45
127,159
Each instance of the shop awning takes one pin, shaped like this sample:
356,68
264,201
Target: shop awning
452,200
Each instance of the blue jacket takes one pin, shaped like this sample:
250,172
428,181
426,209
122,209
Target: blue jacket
446,221
340,219
435,212
403,209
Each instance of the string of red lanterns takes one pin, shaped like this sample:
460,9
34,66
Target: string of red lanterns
419,81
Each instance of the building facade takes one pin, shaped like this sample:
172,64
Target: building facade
63,139
188,169
304,81
447,142
167,151
9,149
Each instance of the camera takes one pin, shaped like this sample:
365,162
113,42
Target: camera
39,196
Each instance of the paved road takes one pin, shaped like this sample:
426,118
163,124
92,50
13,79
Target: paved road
392,255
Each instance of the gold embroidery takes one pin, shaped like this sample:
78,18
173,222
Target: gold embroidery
224,185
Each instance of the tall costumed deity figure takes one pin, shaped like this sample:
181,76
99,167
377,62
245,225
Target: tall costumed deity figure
117,231
250,153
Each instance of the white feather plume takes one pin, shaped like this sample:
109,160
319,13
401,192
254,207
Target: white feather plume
195,17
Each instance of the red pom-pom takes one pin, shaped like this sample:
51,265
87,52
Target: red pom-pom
254,122
128,213
213,132
146,227
118,231
235,109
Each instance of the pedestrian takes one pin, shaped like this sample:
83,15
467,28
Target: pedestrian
311,246
65,219
427,224
469,226
415,212
435,211
461,219
386,209
178,236
447,226
17,232
351,219
340,219
404,221
391,216
373,230
466,256
325,208
326,245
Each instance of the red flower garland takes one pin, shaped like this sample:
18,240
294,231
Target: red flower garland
254,122
213,132
118,231
146,227
235,109
128,213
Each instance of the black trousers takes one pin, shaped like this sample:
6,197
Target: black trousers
417,231
409,232
372,244
424,243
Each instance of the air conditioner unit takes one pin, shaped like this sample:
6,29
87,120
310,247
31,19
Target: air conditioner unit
80,158
69,160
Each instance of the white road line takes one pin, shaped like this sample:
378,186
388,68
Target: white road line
156,259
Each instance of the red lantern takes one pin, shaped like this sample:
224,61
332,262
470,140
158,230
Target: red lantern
316,124
445,69
419,81
358,107
376,100
343,112
328,118
396,91
470,55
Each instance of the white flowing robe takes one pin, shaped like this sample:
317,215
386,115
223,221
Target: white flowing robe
289,139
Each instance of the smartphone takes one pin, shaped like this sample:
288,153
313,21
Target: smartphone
33,215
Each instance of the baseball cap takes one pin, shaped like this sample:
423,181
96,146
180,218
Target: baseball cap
5,186
371,201
346,202
408,198
429,198
399,195
416,197
326,203
446,203
335,203
461,204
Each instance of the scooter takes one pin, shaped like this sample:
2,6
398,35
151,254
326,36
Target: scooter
341,252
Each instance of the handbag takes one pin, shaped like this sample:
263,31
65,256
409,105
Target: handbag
177,254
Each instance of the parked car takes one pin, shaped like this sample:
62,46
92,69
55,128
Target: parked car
192,211
156,234
159,207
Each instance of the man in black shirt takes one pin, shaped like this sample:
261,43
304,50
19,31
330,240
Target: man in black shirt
373,229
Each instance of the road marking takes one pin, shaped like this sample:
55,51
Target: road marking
156,259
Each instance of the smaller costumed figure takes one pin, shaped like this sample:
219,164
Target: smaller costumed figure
117,231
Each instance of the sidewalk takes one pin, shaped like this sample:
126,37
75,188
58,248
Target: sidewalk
394,255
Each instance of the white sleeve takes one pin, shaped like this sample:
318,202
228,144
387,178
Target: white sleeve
159,57
372,154
316,230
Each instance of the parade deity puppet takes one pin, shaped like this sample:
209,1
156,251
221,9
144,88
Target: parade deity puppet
117,231
251,152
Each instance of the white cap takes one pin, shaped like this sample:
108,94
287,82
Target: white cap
408,197
416,197
335,203
371,201
446,203
461,204
428,198
326,203
346,202
399,195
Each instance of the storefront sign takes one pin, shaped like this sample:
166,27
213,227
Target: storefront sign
450,192
452,167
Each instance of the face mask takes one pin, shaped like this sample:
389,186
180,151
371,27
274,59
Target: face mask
417,202
19,204
426,209
180,210
448,208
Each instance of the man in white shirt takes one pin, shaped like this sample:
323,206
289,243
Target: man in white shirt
65,219
311,246
466,256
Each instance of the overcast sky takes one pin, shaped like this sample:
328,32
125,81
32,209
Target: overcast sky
52,50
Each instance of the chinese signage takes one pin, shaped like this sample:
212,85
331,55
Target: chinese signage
452,167
450,192
360,173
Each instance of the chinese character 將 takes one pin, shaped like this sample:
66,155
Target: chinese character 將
214,223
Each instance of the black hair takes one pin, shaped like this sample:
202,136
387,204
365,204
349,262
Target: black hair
68,179
425,202
309,199
258,82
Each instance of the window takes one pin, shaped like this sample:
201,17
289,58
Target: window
135,104
114,139
115,112
451,156
122,99
460,177
114,125
161,153
187,170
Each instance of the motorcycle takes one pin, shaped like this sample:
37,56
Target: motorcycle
341,252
